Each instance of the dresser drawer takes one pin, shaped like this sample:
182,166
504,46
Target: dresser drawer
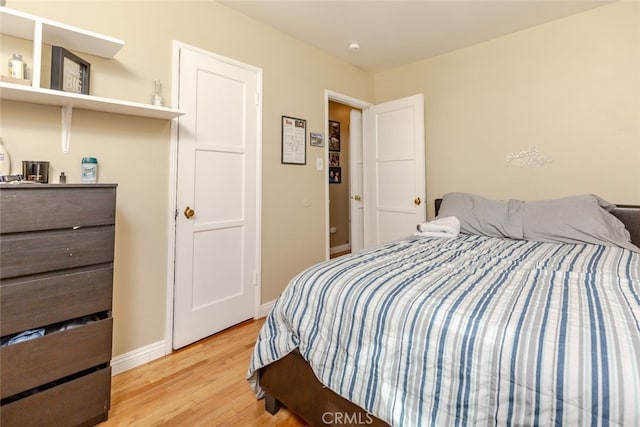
37,252
32,207
29,364
82,402
33,301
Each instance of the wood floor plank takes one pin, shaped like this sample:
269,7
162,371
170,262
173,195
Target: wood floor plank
200,385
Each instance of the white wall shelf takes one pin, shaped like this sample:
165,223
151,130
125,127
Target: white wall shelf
25,26
45,31
15,92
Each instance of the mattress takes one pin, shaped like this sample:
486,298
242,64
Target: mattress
471,330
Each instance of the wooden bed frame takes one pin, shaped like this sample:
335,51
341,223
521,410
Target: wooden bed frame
291,382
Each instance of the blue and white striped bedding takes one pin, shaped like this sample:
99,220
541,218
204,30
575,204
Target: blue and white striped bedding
469,331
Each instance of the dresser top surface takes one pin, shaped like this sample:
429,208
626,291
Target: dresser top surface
9,185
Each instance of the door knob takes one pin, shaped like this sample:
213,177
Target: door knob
357,198
188,212
417,201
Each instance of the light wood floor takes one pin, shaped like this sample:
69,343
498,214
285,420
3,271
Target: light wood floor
200,385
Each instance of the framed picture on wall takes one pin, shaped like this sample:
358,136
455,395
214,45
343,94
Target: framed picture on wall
294,141
334,135
316,139
335,175
334,158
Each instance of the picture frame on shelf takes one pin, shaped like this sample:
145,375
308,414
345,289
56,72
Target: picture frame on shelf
69,73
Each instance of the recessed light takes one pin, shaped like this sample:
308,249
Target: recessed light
354,46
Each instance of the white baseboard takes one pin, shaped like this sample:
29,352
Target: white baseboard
341,248
265,309
137,357
142,355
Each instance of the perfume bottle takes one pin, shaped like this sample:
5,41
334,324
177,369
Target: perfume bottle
157,98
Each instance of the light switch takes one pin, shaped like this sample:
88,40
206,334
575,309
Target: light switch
319,164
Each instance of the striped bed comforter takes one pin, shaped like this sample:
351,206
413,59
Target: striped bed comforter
469,331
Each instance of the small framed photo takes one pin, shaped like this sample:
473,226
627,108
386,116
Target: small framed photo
317,139
334,158
335,175
334,135
69,72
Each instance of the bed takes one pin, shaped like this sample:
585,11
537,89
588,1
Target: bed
484,328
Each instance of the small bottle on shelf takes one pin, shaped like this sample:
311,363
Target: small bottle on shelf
17,67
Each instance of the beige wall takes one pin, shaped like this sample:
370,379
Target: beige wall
571,88
339,193
134,152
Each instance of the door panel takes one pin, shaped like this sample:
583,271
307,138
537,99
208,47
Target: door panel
395,132
217,246
226,265
227,127
389,222
390,194
224,175
393,169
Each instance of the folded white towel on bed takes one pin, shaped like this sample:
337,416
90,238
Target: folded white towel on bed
448,226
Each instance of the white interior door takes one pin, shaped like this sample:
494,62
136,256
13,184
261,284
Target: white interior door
217,235
355,182
393,169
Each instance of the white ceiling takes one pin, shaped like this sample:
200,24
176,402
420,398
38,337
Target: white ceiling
396,32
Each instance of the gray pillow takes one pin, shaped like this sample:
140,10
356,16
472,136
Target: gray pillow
575,219
478,215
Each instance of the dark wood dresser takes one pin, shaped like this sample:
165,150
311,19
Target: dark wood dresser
56,280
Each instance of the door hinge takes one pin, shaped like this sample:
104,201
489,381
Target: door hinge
257,98
255,278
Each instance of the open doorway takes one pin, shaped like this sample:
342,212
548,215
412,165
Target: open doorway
388,197
347,168
339,172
